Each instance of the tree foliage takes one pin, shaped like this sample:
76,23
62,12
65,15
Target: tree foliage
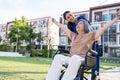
21,32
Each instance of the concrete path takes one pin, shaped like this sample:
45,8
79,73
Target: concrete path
112,74
11,54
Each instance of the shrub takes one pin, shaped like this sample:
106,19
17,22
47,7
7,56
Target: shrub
22,50
5,47
44,53
110,59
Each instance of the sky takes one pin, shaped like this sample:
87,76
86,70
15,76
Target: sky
11,9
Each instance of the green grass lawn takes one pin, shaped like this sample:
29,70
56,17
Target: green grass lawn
106,66
27,68
12,68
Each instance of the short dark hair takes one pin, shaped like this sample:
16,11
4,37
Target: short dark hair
64,14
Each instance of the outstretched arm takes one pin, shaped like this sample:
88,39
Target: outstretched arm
99,32
67,31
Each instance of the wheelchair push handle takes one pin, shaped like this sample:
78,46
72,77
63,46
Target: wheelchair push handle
91,52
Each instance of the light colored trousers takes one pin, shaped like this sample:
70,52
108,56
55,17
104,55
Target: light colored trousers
56,66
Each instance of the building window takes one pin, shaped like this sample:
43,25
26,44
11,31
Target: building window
112,39
44,33
98,16
106,32
112,16
63,41
62,32
93,28
105,42
104,17
43,23
112,29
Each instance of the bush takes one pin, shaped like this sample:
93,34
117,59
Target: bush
5,47
52,51
44,52
22,50
110,59
34,53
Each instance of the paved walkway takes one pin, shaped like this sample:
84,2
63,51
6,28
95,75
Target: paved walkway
112,74
11,54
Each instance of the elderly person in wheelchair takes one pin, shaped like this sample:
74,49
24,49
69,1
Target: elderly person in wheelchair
80,44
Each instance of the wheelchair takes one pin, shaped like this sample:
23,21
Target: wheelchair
89,64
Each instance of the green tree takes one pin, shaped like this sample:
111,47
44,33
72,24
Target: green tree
21,32
19,23
13,37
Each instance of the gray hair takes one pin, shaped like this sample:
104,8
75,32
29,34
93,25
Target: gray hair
86,25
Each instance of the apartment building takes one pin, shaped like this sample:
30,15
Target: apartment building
48,30
100,15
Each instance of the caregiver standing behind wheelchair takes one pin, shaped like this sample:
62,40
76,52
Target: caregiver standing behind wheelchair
80,44
72,20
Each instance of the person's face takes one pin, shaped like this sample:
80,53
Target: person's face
70,17
80,27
